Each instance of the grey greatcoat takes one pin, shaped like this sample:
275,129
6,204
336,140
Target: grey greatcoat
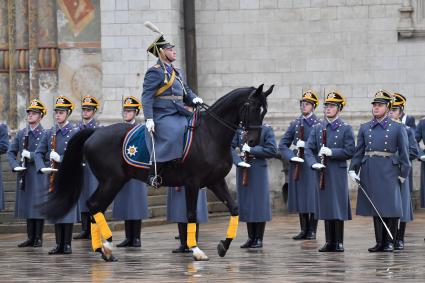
169,115
131,203
420,136
176,205
35,184
379,174
301,193
254,199
4,144
332,202
42,158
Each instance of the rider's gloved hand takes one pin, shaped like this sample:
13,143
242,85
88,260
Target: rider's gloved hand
150,125
197,101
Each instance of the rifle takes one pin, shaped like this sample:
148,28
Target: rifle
300,152
245,157
53,164
24,162
323,158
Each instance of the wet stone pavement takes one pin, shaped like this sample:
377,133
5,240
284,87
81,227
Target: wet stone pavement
280,260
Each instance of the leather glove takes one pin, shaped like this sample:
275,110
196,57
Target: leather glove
300,143
297,159
150,125
55,156
197,101
318,166
26,154
354,177
48,170
19,169
401,179
422,158
325,151
244,164
246,148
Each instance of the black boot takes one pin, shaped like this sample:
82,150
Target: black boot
67,238
30,234
136,231
399,242
128,232
38,239
58,237
329,245
378,235
85,227
259,233
339,235
155,180
312,228
392,226
250,228
304,227
183,238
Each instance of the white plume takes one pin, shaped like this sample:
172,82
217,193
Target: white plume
152,27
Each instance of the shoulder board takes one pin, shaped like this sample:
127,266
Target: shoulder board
267,125
156,66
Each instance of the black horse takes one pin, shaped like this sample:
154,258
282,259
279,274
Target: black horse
208,163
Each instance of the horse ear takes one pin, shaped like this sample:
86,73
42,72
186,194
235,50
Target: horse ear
259,90
267,92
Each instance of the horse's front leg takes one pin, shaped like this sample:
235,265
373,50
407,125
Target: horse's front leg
191,193
222,192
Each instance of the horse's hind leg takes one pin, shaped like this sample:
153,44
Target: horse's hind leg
222,192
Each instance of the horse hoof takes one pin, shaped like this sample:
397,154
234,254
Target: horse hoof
199,255
110,258
107,248
221,249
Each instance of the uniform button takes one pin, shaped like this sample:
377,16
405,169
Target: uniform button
67,136
386,136
38,138
385,142
389,124
385,149
370,142
296,132
337,131
334,142
66,142
388,130
370,130
336,137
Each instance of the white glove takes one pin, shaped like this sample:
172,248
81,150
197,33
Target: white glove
401,179
55,156
325,151
150,125
422,158
300,143
26,154
297,159
318,166
244,164
48,170
19,169
353,176
246,148
197,100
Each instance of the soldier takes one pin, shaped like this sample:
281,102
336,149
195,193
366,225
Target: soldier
4,144
89,106
176,212
31,186
48,153
131,203
164,96
420,136
333,200
405,119
253,197
407,186
382,157
302,179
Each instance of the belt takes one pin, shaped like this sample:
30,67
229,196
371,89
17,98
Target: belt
170,97
378,153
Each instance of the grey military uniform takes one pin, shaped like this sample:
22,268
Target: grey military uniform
4,144
176,206
420,136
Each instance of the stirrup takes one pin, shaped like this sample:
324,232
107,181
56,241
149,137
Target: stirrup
155,181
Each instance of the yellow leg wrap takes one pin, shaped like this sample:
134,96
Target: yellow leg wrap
191,235
96,238
233,227
103,225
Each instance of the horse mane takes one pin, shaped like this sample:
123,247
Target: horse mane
224,100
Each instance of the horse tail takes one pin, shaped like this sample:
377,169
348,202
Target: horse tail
68,179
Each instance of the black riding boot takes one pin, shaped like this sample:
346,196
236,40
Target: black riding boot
67,237
339,235
155,180
38,239
183,238
312,228
304,226
30,234
250,228
378,235
399,242
329,246
392,226
85,227
128,232
136,231
259,233
58,237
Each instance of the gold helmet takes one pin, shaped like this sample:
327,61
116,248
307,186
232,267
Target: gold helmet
64,103
335,97
159,43
132,103
89,102
37,106
383,97
310,96
399,100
